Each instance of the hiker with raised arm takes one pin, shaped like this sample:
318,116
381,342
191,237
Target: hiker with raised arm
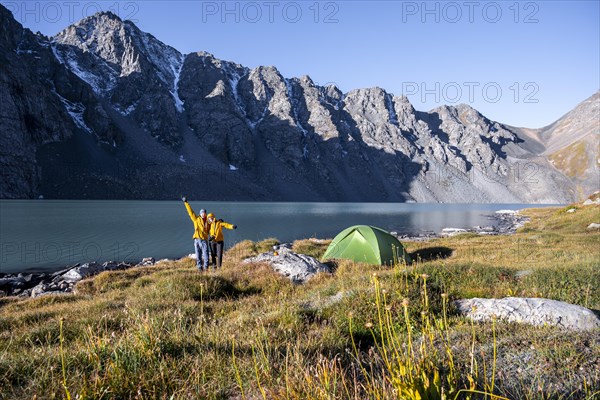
217,240
201,234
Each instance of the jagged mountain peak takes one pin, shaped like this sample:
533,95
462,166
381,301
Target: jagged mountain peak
203,53
372,91
266,69
133,70
104,14
331,91
90,28
121,45
307,80
460,113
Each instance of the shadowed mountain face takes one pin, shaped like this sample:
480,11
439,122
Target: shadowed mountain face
103,110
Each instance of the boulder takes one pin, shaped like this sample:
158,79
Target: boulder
590,202
39,289
452,231
297,267
114,266
533,311
148,261
78,273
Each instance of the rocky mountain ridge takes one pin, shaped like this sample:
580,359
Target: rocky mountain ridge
104,110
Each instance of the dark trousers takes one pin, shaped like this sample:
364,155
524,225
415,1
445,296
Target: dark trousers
216,252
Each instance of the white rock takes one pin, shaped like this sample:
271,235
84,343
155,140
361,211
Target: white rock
571,210
533,311
593,225
78,273
39,289
297,267
452,231
507,212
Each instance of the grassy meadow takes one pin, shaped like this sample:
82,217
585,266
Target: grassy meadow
363,332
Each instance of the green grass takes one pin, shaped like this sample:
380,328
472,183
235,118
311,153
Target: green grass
244,332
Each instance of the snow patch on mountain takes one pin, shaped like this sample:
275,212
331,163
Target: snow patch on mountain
162,57
253,124
234,77
176,68
75,111
100,84
57,55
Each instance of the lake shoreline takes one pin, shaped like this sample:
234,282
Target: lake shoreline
41,283
504,222
45,236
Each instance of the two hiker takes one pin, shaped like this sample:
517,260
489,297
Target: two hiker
208,237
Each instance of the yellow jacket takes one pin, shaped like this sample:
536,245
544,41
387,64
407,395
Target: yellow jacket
216,229
201,226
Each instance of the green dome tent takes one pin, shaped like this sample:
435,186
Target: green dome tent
363,243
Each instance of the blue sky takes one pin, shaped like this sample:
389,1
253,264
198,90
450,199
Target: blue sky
524,63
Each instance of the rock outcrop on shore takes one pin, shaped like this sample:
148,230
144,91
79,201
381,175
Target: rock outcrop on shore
60,282
502,222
